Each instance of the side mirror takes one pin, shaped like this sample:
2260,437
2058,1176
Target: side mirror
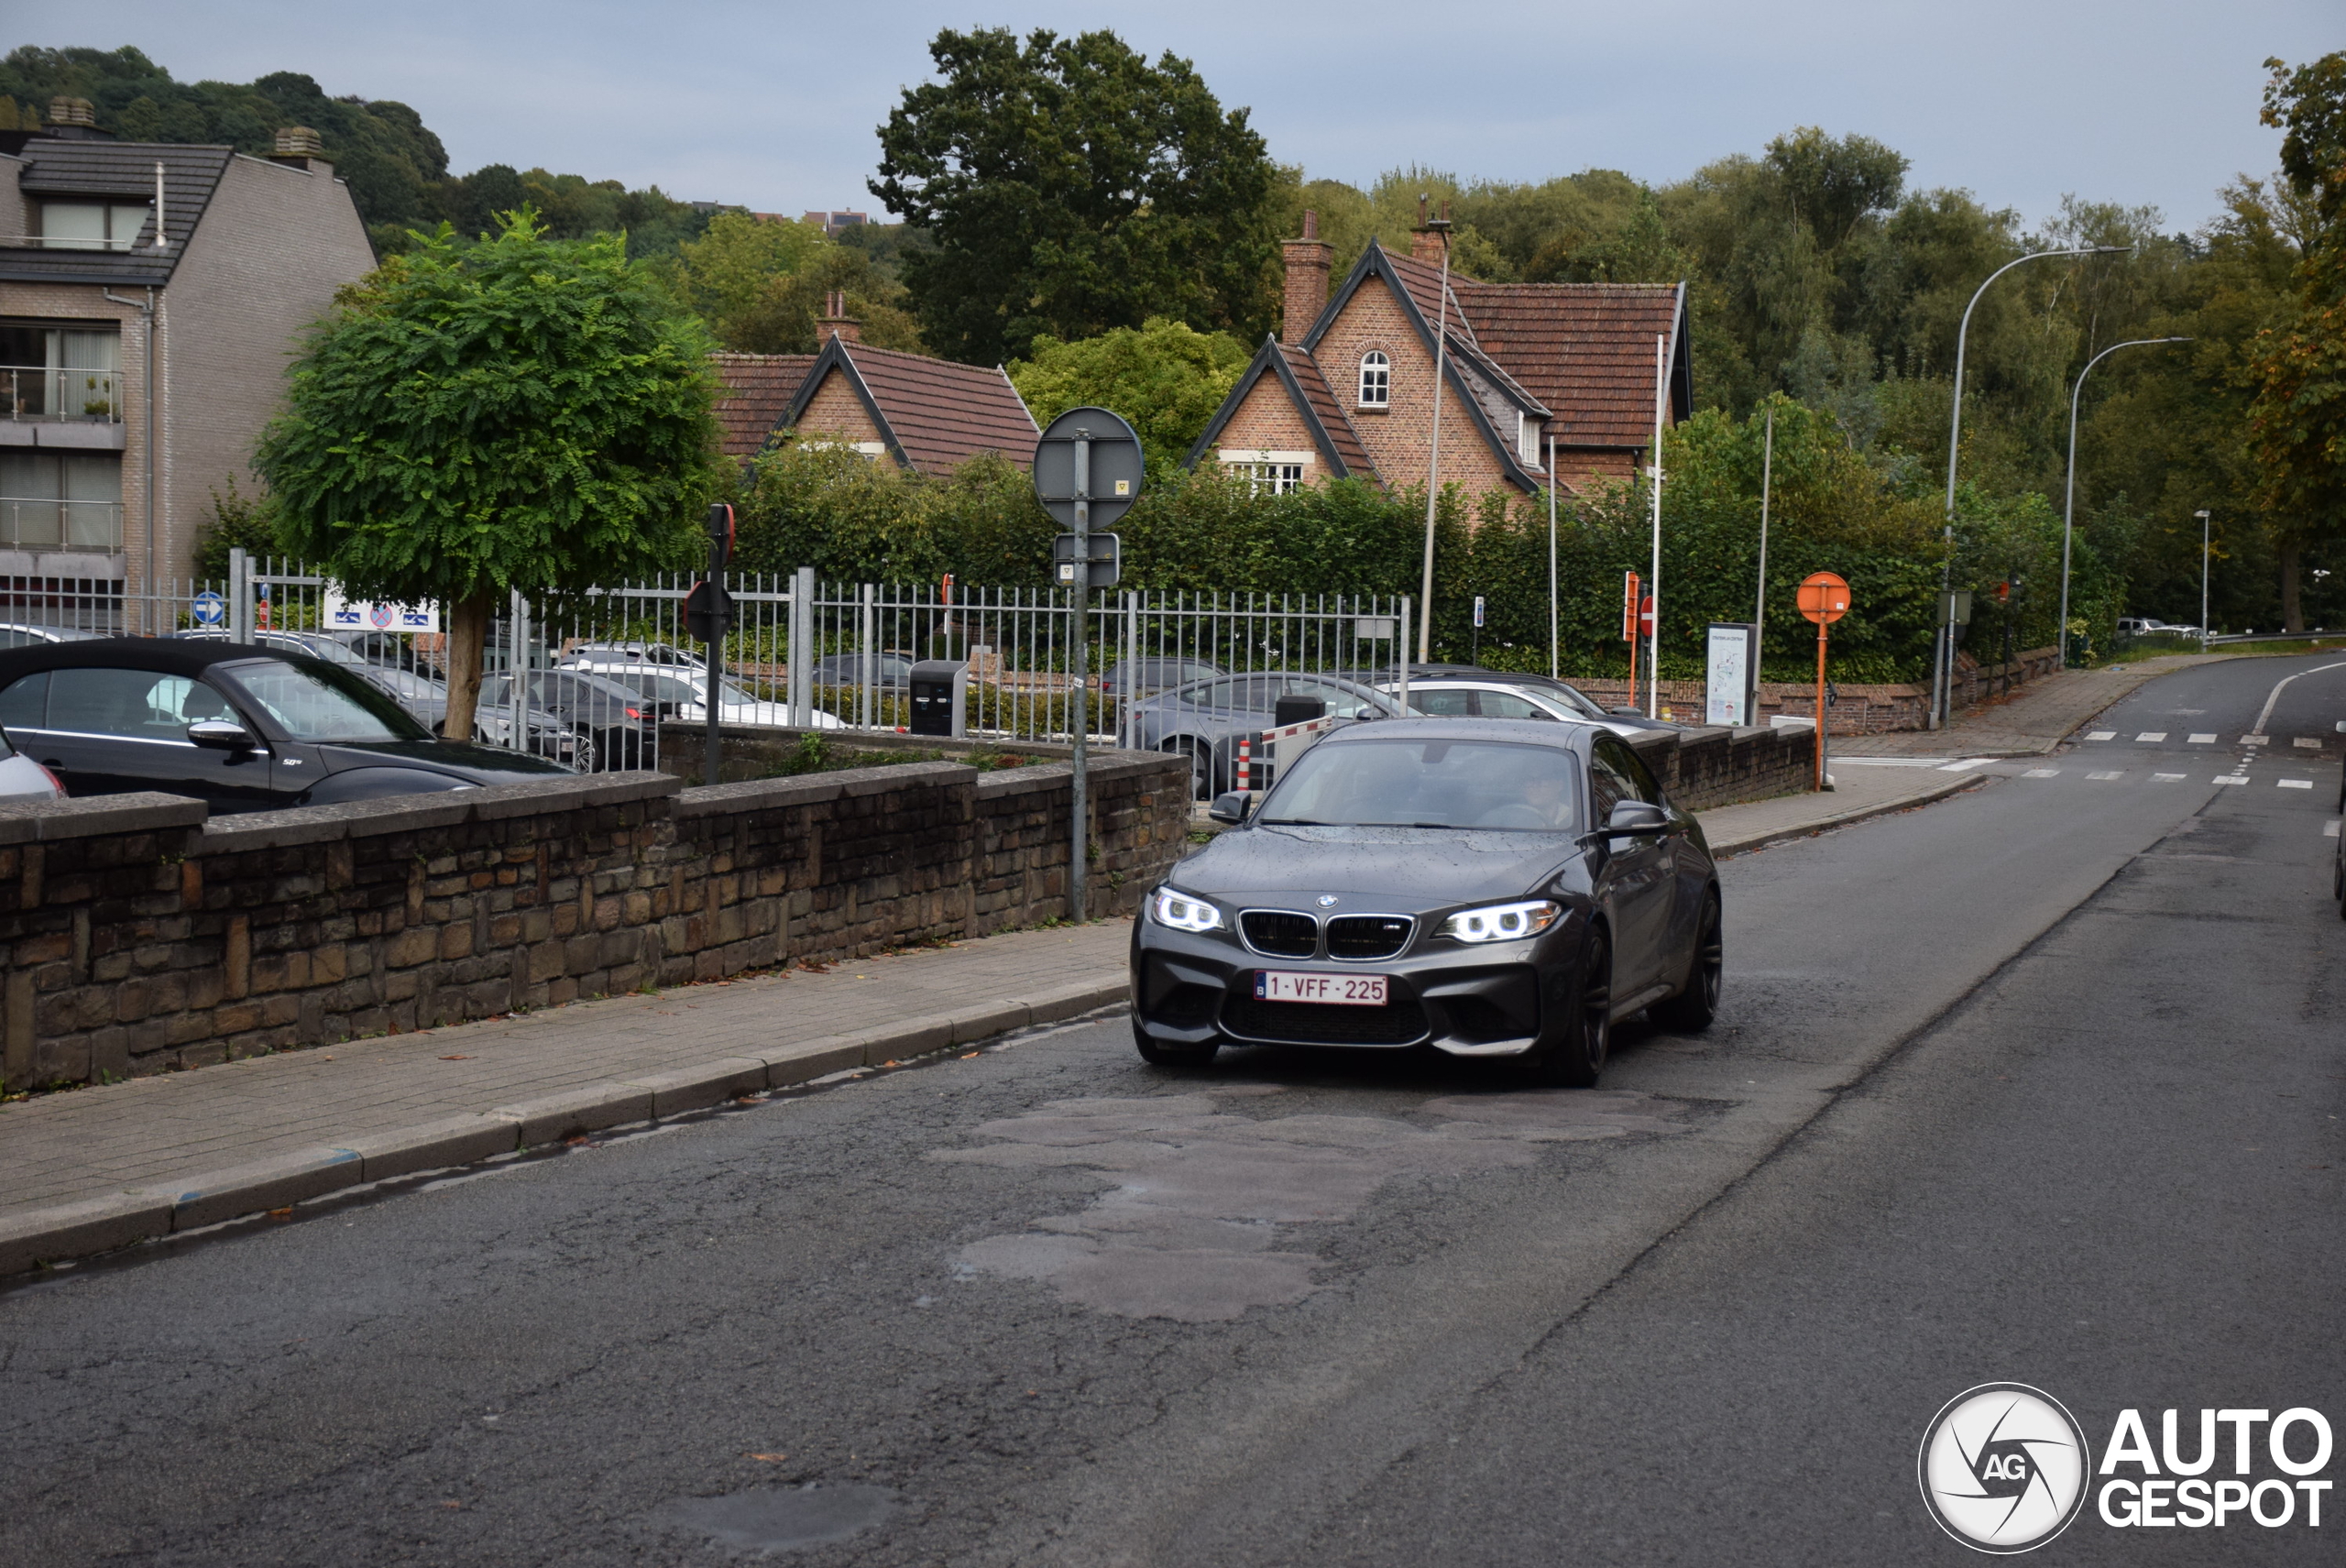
220,735
1637,817
1231,807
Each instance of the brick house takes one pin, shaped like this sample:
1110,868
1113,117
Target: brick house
140,370
928,415
1347,387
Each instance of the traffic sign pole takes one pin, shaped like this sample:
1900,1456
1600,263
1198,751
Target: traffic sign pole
1824,598
1080,698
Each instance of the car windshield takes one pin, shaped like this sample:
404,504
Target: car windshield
1414,782
321,702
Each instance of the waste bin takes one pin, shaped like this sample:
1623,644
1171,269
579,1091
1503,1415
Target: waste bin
940,696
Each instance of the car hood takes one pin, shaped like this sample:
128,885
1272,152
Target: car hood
481,764
1405,869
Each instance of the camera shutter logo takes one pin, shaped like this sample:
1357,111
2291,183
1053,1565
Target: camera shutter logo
2003,1468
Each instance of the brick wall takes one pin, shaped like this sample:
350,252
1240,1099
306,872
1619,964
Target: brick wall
837,413
1859,709
1716,766
1268,420
137,936
1400,439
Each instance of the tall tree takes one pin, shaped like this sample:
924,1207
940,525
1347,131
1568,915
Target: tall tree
1165,379
1070,187
2299,421
521,413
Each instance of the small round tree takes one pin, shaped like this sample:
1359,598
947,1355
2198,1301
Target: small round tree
519,412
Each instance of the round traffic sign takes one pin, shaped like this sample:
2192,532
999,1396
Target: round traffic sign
1114,470
210,608
1824,597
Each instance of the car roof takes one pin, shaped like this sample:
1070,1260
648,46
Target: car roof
164,655
1564,737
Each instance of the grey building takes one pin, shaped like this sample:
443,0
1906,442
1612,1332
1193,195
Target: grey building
141,360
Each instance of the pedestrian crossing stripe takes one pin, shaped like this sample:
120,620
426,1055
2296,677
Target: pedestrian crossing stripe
2150,735
2168,778
2098,777
2232,778
2203,740
2042,773
2103,735
2308,743
2256,739
2330,830
2296,783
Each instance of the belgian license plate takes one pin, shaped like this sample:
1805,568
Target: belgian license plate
1343,989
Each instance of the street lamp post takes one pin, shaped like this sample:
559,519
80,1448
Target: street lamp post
1439,225
2203,579
2069,499
1943,664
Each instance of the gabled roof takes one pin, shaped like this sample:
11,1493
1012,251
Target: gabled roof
758,390
1332,430
56,167
1586,349
934,415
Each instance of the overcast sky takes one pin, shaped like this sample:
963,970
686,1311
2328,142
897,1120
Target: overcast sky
772,105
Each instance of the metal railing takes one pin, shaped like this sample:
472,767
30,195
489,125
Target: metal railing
801,652
35,522
60,392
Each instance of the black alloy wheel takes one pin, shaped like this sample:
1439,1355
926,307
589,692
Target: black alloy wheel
1691,1011
1158,1055
1577,1060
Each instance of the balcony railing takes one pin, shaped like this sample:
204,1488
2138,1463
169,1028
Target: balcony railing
37,524
49,391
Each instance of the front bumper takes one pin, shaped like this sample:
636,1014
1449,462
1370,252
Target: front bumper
1500,1000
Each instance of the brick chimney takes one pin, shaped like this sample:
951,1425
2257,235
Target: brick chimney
1425,240
299,147
74,120
834,321
1307,260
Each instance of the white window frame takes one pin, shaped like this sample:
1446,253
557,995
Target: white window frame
1266,471
1376,363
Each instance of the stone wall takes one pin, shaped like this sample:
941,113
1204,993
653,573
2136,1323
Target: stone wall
1861,709
1717,766
137,936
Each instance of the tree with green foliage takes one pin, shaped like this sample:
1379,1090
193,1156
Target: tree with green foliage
1070,187
522,414
2299,420
1165,378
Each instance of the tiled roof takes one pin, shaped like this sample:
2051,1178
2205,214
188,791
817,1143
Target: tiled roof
53,167
941,414
1586,350
758,390
1423,281
1322,400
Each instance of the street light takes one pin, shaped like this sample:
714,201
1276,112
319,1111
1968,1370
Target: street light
2069,500
1942,665
2203,579
1439,225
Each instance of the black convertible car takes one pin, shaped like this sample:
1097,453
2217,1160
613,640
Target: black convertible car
246,729
1484,888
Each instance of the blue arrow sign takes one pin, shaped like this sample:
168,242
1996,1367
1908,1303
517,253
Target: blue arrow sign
210,609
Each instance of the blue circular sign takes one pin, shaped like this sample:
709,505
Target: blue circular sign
210,609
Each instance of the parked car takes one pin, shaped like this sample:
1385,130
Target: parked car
1203,719
424,699
1484,888
244,728
630,654
1149,676
1572,696
1456,697
21,778
617,728
18,634
678,694
391,651
890,670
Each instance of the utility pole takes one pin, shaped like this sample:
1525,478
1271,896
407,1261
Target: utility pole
2203,579
1760,603
1439,225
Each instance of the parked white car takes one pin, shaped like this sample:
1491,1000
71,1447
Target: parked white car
680,692
1451,696
21,778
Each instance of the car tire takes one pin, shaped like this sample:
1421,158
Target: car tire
1577,1061
1691,1011
1200,766
1158,1055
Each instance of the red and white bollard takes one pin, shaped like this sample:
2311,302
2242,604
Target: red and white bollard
1246,765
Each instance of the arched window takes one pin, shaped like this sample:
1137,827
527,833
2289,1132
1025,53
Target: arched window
1375,381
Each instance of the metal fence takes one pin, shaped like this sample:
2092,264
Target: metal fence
799,652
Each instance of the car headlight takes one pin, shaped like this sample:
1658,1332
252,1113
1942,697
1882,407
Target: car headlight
1183,912
1501,922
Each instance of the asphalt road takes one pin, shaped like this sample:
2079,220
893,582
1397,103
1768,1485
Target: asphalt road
2042,1083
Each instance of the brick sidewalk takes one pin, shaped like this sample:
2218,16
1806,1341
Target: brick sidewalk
2031,723
93,1168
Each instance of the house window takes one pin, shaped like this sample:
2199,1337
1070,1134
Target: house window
60,500
1527,440
67,373
91,225
1271,473
1375,381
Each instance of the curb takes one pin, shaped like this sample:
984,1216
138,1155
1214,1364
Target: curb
86,1227
1760,840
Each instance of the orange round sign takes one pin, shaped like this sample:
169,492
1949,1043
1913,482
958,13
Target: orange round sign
1825,598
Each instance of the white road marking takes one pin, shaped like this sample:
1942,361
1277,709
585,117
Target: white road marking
2203,740
2231,778
2150,735
1886,762
2254,740
1966,765
2329,829
2168,778
2307,741
2284,680
2098,777
2042,773
2296,784
2103,735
